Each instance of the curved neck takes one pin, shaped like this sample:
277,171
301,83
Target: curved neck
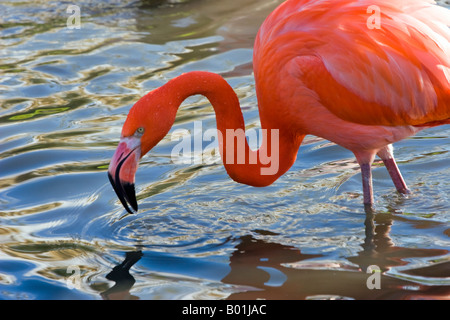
278,149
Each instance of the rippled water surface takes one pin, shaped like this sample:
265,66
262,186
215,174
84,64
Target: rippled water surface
64,95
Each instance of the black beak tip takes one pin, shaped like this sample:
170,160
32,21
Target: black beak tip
126,194
130,195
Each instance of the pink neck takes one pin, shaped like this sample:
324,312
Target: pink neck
259,168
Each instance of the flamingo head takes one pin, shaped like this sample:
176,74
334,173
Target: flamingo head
148,121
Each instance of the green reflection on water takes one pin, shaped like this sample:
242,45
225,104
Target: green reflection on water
41,112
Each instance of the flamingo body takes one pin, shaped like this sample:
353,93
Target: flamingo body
319,69
396,75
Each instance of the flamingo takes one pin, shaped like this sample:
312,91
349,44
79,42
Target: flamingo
327,68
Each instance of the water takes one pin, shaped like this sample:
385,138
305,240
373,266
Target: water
64,235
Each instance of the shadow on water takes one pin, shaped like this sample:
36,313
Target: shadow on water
124,281
268,270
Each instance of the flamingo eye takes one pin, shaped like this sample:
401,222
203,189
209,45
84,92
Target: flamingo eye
140,131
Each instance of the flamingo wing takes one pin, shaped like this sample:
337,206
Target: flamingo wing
394,73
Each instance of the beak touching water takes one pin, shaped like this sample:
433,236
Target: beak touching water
122,170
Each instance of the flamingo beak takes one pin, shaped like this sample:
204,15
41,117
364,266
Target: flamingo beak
122,170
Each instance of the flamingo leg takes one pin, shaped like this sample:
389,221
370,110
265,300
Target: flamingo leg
387,156
396,176
365,159
366,173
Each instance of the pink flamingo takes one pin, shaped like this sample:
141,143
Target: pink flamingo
361,73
